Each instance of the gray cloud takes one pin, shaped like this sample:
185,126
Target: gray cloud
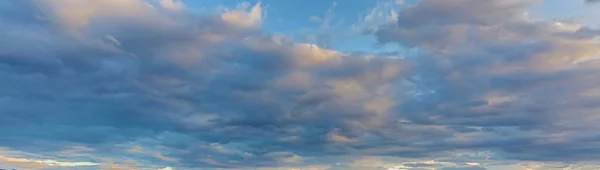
169,88
466,168
196,86
502,73
592,1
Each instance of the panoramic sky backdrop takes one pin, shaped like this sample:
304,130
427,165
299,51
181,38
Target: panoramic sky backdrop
300,84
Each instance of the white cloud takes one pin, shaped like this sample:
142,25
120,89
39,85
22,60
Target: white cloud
38,163
172,4
244,15
166,168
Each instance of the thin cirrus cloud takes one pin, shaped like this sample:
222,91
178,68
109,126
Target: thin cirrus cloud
132,84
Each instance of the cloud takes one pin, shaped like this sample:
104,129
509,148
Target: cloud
314,19
113,77
493,69
591,1
172,5
20,162
41,164
244,15
126,84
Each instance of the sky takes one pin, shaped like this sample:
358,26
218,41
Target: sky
307,85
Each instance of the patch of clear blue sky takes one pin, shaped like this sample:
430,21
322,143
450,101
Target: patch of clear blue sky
576,10
291,15
292,18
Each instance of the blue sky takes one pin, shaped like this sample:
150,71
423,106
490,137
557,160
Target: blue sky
312,84
326,18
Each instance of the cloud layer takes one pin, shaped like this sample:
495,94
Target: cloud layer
121,84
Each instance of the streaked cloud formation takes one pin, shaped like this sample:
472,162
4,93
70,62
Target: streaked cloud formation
134,84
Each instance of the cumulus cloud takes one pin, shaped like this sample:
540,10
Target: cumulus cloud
181,81
244,15
500,72
124,84
171,4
